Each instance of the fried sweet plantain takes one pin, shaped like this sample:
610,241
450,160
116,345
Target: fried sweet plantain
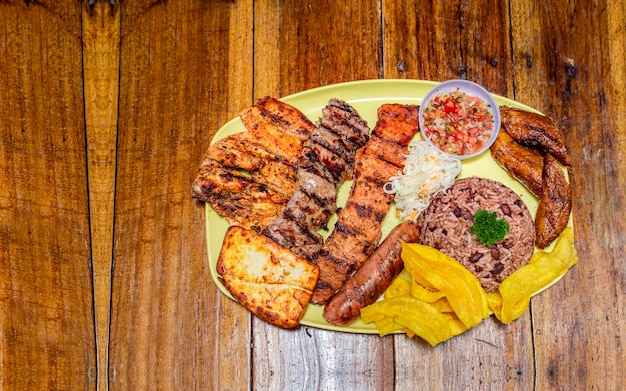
535,131
524,164
555,203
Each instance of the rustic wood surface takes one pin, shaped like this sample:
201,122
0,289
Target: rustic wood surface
106,108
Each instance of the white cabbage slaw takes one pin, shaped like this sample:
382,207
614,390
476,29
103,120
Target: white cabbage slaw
426,172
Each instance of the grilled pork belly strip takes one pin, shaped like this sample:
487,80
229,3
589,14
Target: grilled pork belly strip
249,177
327,160
358,229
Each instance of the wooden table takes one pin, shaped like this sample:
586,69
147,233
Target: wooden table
105,113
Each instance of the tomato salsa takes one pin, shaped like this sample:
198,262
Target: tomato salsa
458,123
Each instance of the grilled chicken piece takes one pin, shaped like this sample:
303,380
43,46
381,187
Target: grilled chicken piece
278,128
555,204
249,177
236,153
524,164
238,198
535,131
358,229
327,160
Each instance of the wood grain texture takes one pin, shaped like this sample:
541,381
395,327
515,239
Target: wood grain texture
578,325
300,45
304,45
106,112
439,41
170,327
46,307
448,40
101,69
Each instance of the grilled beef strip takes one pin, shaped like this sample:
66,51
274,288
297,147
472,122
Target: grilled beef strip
327,160
358,229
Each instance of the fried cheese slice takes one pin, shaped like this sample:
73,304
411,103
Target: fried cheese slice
269,280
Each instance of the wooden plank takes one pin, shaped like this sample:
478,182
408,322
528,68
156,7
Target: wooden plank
170,327
101,63
313,359
301,45
448,40
457,40
577,76
422,40
46,303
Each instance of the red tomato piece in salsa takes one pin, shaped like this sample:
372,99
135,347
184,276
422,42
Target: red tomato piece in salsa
458,123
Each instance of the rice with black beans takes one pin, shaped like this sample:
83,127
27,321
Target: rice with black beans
445,225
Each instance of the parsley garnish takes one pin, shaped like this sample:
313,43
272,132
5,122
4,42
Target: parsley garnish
488,228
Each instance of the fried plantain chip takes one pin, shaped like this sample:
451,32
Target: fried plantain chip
462,289
418,317
399,287
513,296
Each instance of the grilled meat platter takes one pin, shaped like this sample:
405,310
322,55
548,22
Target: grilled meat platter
304,185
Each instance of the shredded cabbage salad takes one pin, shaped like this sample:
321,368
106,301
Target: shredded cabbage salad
426,172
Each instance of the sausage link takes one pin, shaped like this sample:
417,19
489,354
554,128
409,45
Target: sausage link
368,283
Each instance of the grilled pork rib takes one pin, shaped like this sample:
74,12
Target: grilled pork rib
327,160
358,229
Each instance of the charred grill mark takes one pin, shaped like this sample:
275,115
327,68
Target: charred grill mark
375,182
330,140
369,247
331,161
323,285
325,162
306,232
352,134
363,210
320,202
327,256
313,164
339,227
367,211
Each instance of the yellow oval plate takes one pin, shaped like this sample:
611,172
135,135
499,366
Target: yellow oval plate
366,97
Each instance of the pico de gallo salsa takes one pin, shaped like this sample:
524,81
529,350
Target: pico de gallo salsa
458,123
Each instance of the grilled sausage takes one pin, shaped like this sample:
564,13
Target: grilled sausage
373,277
